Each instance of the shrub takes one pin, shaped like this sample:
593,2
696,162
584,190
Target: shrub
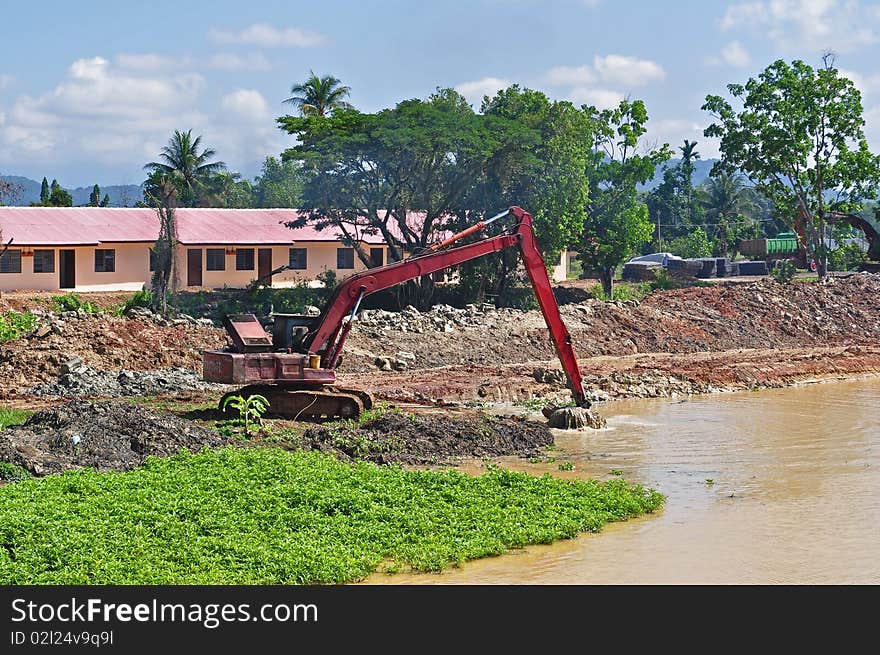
693,245
846,257
71,302
784,271
142,298
622,291
663,281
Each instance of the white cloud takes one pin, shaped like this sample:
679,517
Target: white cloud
598,98
5,80
628,71
839,25
476,89
235,63
267,36
247,104
872,128
569,75
111,115
735,54
867,84
591,4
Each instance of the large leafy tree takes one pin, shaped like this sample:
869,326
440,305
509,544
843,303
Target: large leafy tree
798,135
279,184
319,96
371,173
540,164
617,222
188,167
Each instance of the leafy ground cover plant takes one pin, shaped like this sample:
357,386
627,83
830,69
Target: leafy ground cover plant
16,324
268,516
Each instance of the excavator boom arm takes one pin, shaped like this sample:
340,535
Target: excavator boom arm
329,335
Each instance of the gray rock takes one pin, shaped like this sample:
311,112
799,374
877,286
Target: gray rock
71,365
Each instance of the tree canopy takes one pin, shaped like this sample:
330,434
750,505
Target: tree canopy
798,135
319,96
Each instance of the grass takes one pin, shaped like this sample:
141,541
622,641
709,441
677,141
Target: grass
264,516
622,291
14,325
10,416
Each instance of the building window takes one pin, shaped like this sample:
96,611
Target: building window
244,259
105,261
152,260
344,258
10,262
44,261
377,257
298,259
215,259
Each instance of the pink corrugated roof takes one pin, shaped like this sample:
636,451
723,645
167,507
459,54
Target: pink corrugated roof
72,226
77,226
249,226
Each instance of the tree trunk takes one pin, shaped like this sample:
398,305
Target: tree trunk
821,254
606,276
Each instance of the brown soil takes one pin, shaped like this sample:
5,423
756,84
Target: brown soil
22,301
106,343
430,439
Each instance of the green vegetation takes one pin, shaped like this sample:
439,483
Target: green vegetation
142,298
566,466
692,245
13,473
10,416
784,271
846,257
249,410
616,221
663,281
16,324
266,516
72,302
623,291
799,136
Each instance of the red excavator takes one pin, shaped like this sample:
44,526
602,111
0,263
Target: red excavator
294,368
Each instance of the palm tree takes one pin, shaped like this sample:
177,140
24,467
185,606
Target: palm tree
188,168
726,195
319,96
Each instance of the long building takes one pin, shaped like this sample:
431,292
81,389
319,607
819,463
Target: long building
109,249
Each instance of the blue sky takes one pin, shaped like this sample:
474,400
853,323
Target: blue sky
90,90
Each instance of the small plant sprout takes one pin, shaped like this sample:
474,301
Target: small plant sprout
709,482
566,466
617,472
249,409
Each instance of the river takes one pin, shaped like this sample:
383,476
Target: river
775,486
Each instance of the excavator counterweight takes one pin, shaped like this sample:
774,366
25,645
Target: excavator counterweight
294,368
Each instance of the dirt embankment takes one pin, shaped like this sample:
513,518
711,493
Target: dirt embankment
724,336
105,343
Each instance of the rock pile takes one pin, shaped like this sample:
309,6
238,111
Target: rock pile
183,319
440,318
77,379
106,435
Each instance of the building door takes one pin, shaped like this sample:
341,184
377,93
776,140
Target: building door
264,266
194,267
67,269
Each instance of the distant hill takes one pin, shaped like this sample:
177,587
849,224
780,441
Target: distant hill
121,195
702,168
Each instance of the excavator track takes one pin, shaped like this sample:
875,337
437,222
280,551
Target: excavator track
294,403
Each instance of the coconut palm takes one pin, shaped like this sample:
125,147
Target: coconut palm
188,168
319,96
726,195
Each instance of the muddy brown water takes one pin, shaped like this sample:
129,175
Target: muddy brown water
776,486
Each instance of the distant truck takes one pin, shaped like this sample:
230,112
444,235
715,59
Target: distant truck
783,246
